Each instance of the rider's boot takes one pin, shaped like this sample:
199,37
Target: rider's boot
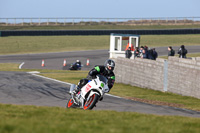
76,94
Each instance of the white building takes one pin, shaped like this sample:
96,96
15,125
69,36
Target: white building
119,43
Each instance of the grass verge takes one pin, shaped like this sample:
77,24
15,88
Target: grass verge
24,119
188,55
41,44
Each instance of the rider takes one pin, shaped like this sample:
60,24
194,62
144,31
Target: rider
76,65
106,70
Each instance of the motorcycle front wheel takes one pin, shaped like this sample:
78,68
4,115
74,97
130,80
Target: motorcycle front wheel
91,102
70,103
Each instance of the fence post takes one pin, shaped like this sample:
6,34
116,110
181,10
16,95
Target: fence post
175,20
22,21
6,22
166,20
165,81
15,22
39,21
192,20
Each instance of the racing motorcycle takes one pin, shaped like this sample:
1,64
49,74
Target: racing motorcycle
75,66
89,95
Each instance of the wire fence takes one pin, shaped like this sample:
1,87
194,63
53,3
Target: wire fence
99,21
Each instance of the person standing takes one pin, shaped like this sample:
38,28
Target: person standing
136,52
155,54
182,52
171,52
128,53
145,52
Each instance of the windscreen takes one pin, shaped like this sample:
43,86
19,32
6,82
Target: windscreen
102,78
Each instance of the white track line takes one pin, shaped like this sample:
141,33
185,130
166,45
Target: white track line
33,73
50,79
20,66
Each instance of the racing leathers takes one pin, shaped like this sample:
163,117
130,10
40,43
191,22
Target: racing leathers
98,70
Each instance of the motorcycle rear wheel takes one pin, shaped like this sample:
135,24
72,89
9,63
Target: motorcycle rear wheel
91,102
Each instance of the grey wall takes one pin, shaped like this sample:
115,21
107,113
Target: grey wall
181,76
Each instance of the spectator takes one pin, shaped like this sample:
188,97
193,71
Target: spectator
155,54
182,52
128,53
171,52
141,51
136,52
145,52
150,54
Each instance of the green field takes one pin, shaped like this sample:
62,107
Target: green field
32,119
40,44
188,55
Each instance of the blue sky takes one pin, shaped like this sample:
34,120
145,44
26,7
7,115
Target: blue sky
99,8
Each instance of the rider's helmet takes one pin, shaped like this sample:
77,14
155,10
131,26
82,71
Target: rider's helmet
109,65
77,61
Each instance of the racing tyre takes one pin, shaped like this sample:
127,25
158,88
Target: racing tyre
70,103
91,102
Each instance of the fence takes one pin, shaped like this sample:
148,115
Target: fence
99,21
180,76
95,32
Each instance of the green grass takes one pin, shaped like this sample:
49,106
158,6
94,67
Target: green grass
188,55
25,119
170,40
40,44
86,27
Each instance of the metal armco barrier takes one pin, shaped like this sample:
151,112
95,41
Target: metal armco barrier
97,32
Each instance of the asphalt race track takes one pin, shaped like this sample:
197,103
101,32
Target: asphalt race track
55,60
30,89
27,89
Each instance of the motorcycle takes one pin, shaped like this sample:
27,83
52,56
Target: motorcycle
89,95
75,66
